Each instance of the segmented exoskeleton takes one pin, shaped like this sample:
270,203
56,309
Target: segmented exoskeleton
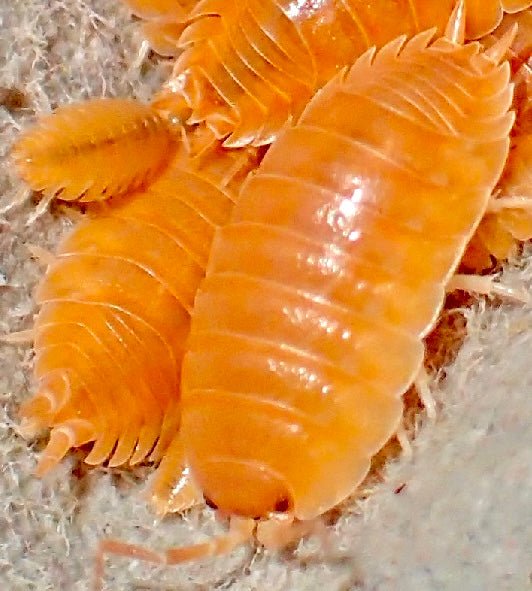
88,151
165,21
308,326
250,66
115,307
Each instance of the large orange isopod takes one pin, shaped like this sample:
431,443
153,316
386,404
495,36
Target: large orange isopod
309,324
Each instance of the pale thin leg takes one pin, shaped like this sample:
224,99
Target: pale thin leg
172,489
141,56
240,531
519,202
404,441
486,285
40,254
21,197
21,337
281,530
40,210
422,386
45,258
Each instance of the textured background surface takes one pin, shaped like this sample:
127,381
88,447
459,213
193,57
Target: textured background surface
461,522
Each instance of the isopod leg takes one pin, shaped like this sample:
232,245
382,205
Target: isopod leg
43,256
486,285
404,440
240,531
20,337
172,490
514,202
119,548
422,386
282,530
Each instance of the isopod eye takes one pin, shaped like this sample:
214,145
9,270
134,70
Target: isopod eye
210,503
282,505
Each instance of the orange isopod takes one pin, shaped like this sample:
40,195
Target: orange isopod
115,308
309,324
64,154
249,67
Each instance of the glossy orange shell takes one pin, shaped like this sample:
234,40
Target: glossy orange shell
89,151
115,308
250,66
308,326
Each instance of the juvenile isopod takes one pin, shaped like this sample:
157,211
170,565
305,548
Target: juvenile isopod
90,151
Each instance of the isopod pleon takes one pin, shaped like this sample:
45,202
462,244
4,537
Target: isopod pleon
94,150
115,308
250,67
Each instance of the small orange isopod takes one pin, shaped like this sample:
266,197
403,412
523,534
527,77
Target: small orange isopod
89,151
